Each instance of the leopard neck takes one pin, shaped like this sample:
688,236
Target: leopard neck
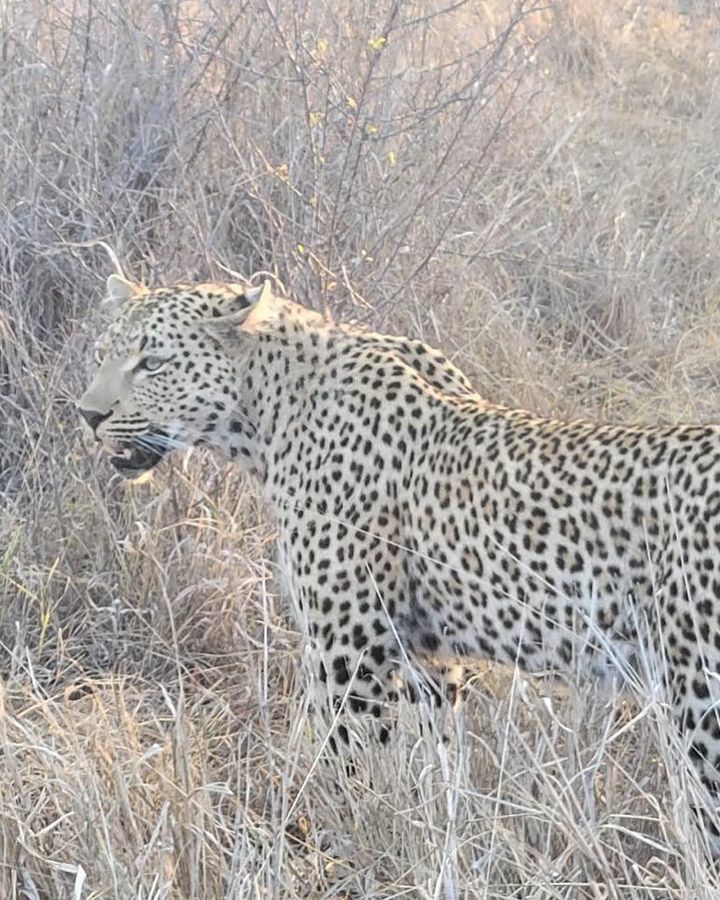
276,362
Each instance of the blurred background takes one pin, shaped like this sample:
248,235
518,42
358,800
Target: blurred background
533,187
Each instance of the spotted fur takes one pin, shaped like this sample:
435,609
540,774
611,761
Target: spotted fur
417,519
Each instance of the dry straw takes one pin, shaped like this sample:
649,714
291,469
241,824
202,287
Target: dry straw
532,187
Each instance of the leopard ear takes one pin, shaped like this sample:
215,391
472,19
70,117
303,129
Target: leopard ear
246,306
119,290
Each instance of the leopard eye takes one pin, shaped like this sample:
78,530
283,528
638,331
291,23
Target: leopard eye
152,363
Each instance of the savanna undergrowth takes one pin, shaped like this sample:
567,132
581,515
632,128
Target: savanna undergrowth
534,187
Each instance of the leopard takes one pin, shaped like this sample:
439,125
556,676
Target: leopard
419,524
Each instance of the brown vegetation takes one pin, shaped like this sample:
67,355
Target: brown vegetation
534,188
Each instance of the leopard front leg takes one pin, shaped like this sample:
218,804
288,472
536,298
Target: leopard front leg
344,592
697,711
349,591
691,651
361,670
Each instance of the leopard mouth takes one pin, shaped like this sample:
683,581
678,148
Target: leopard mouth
138,455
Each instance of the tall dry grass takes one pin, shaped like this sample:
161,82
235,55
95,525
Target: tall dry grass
535,189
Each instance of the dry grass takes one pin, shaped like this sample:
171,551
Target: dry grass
535,190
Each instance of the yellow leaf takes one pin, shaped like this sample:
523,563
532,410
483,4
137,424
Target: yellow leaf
352,102
321,47
300,249
377,43
371,128
315,117
392,157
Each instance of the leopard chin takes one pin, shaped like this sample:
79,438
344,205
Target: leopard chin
134,457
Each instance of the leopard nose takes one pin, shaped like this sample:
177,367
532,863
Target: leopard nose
93,417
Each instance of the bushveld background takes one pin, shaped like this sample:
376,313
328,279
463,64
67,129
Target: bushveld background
534,187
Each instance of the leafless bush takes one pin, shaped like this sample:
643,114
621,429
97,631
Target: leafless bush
533,187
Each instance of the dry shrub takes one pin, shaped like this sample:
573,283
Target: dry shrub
532,188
